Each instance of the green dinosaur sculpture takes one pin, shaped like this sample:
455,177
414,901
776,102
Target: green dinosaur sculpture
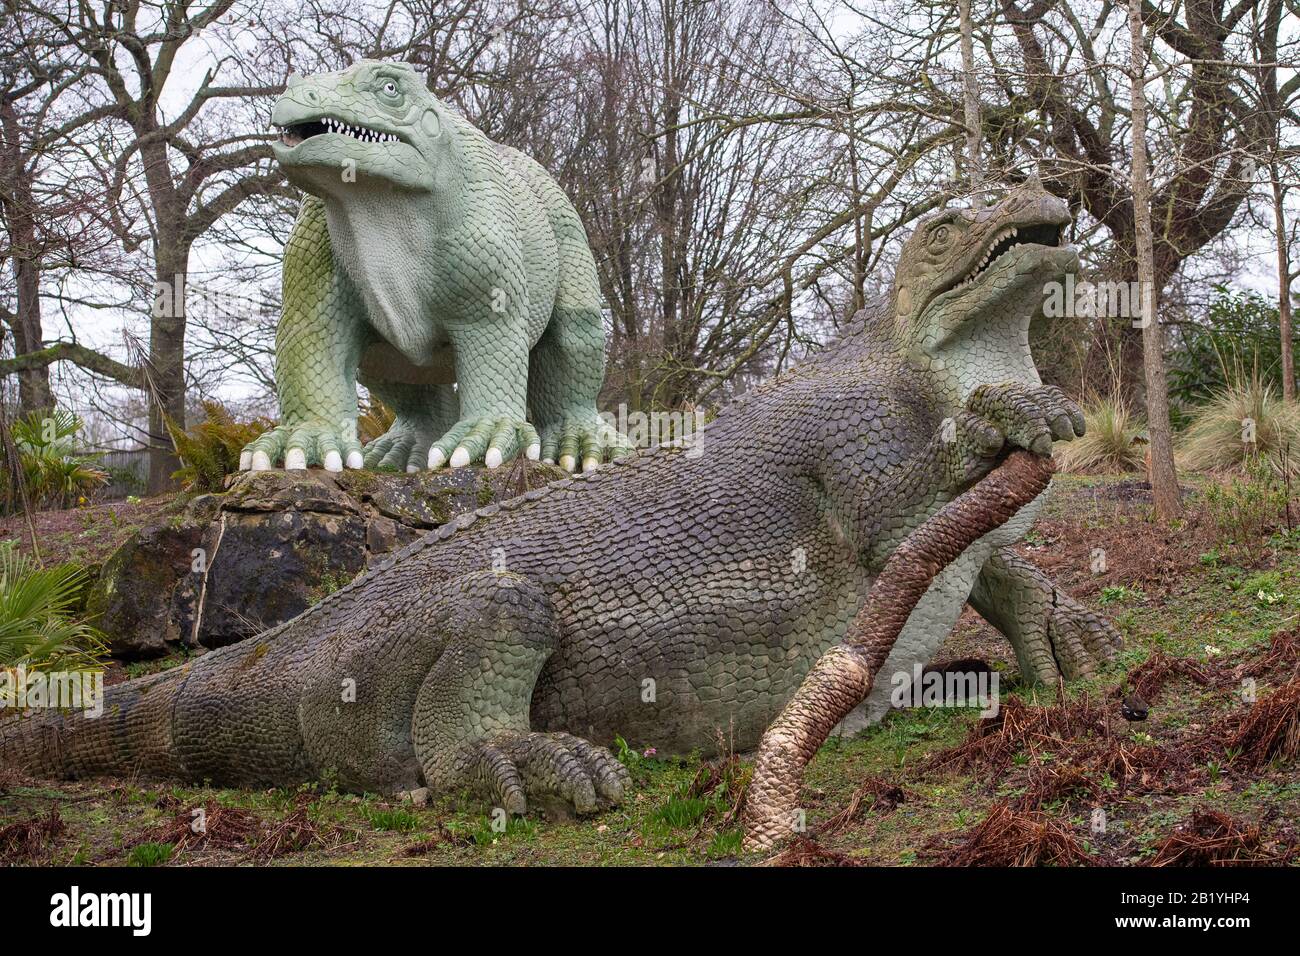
663,598
425,255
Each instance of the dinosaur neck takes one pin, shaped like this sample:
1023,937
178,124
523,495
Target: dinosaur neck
388,245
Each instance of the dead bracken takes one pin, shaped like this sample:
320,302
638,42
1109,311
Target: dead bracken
220,827
873,794
1019,727
1009,837
27,838
1211,838
1148,679
803,851
1270,731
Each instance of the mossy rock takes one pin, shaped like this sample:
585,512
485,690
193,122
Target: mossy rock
215,569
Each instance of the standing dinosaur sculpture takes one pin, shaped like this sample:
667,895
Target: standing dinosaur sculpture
425,255
663,598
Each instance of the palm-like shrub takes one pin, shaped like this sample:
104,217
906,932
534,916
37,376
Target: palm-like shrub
54,475
39,629
209,451
375,419
1241,421
1114,441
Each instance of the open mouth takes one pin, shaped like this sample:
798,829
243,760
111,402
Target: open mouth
297,133
1039,234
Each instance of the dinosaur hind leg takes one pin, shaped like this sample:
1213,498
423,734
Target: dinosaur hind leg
1053,634
566,367
423,414
471,724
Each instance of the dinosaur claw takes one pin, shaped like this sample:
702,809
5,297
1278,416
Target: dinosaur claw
245,460
493,458
437,458
295,459
459,458
333,461
260,461
356,460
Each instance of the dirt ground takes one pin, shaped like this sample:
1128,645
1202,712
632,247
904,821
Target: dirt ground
1212,649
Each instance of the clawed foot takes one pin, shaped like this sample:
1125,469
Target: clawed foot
404,446
1007,414
488,440
1068,641
582,438
303,444
514,768
1028,416
1081,640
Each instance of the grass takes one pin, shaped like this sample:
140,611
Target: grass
1244,420
879,798
1115,440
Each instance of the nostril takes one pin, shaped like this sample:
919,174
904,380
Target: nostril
311,96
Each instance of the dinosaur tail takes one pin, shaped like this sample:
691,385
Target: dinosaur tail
125,730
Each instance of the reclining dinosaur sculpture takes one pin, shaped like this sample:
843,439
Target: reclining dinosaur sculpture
663,597
425,255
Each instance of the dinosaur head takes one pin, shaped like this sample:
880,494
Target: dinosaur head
970,281
374,122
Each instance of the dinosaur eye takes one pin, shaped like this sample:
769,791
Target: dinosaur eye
940,236
390,88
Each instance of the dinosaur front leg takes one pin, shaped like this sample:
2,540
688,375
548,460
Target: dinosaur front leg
471,724
317,345
492,381
1052,633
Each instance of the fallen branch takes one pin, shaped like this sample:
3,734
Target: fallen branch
841,678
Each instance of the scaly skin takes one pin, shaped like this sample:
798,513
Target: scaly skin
664,599
425,254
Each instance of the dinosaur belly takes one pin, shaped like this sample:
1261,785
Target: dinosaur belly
381,362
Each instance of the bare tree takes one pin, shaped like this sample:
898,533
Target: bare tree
1205,130
1164,479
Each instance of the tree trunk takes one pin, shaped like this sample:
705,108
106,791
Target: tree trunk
1164,479
842,677
166,372
1283,284
24,249
34,394
970,102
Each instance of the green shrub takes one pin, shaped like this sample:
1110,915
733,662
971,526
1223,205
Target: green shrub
1247,506
396,819
1240,329
1115,440
209,451
53,474
149,854
38,626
